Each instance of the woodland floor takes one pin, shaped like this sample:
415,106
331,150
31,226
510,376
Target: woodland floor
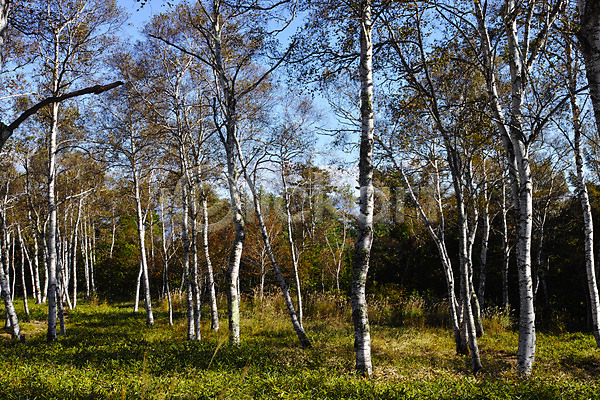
110,353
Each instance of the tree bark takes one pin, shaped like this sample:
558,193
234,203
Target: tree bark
74,252
588,222
228,100
142,244
293,249
166,262
364,237
524,195
269,249
23,280
194,256
214,311
485,236
185,236
86,263
11,314
52,270
589,37
517,146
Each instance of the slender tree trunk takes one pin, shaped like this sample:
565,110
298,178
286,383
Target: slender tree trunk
194,257
485,236
11,242
267,242
23,281
86,265
30,263
60,289
74,252
142,244
35,275
589,38
113,233
92,256
52,273
166,262
186,263
293,249
465,246
46,259
517,150
526,348
138,284
15,329
505,249
214,312
364,238
588,222
228,140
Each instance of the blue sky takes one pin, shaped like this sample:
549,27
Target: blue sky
138,16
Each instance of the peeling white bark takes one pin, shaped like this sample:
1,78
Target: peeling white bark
586,207
364,238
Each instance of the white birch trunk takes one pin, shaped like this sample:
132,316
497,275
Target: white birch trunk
166,262
4,11
113,233
142,244
269,249
521,60
465,246
12,264
138,283
51,245
589,37
526,348
11,314
214,312
74,252
23,280
588,222
191,333
194,266
485,236
86,265
364,238
293,248
92,257
505,249
230,115
36,269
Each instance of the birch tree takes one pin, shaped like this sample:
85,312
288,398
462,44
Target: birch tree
589,39
232,38
527,30
132,146
67,33
588,223
6,293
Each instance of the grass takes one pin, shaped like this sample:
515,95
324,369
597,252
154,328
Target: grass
109,353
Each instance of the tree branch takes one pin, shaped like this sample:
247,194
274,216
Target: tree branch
7,130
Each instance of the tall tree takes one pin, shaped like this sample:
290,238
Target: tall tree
364,237
588,223
527,31
589,38
233,37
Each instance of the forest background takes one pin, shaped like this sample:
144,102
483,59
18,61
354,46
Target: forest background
216,162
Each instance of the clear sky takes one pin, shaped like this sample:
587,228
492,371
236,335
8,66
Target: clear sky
139,15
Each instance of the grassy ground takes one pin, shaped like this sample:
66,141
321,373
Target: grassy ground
108,352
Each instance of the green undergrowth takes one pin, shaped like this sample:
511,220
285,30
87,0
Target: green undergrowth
109,353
